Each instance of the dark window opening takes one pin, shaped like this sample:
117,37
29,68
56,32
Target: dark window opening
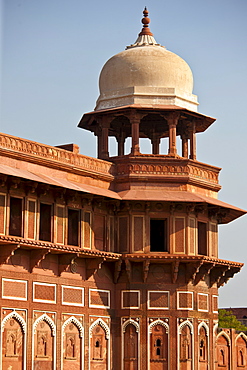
15,222
202,238
158,351
73,227
158,235
158,343
97,344
45,222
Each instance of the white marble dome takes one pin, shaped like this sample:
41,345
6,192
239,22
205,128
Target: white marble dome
146,73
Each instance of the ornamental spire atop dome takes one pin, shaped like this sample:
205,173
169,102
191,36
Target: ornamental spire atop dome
145,21
145,37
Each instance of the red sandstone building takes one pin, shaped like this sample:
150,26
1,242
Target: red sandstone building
112,263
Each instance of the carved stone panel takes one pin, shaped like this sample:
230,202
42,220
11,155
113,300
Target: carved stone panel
186,359
71,348
98,349
12,345
43,347
158,348
130,348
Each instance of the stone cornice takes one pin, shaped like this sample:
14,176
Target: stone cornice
55,248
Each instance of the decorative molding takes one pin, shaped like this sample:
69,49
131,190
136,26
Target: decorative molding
158,322
16,316
184,323
104,326
205,326
77,323
128,322
48,320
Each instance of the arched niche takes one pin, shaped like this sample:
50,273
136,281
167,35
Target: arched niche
130,345
203,346
223,343
44,343
72,345
241,350
99,350
186,354
159,345
13,345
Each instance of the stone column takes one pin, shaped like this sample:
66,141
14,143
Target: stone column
185,144
155,145
135,123
193,141
121,140
172,121
98,133
105,152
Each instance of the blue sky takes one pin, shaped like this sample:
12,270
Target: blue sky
52,54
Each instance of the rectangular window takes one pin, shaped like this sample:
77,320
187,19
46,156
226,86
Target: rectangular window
202,238
15,221
73,227
158,235
45,222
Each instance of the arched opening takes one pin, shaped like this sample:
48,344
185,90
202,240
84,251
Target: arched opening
98,348
43,345
186,353
241,346
131,349
223,352
159,347
203,348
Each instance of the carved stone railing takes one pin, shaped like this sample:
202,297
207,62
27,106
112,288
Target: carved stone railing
38,150
150,165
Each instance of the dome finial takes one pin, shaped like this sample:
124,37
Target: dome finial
145,21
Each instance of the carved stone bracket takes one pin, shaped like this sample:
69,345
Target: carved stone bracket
128,269
6,251
66,260
217,273
227,275
36,256
31,186
92,265
14,182
145,270
3,180
43,189
117,270
192,269
175,269
203,272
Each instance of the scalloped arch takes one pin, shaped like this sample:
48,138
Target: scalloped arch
49,321
205,326
128,322
158,322
184,323
16,316
77,323
103,325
